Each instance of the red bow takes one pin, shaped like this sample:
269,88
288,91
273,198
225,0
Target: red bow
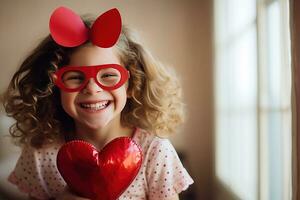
68,29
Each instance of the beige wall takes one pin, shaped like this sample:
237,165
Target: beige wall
177,32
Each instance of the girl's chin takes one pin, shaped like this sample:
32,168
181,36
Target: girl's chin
91,125
95,126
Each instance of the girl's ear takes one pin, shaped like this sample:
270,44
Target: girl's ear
53,77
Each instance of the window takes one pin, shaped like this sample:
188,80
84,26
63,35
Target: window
252,98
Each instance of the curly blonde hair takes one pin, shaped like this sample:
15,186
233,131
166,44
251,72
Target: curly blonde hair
154,103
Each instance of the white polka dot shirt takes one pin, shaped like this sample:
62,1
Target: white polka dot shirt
161,175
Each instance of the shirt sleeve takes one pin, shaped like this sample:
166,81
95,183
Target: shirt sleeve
33,173
165,173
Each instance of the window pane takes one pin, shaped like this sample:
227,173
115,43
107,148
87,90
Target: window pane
252,108
240,14
236,117
275,108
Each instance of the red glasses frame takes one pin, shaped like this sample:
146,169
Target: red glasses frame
91,72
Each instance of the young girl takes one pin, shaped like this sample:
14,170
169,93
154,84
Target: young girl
146,107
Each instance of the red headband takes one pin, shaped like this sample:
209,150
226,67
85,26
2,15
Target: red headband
67,28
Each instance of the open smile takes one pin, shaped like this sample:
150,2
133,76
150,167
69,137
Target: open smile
95,106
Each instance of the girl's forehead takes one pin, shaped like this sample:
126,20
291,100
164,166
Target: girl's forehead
89,55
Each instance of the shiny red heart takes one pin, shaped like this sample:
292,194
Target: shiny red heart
98,175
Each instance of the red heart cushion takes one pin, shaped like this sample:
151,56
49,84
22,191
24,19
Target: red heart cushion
98,175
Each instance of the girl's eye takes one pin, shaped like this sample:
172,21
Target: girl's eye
108,75
75,78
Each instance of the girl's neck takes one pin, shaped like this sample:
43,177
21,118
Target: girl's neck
101,136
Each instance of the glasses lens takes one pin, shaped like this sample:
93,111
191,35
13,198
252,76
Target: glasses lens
73,79
108,77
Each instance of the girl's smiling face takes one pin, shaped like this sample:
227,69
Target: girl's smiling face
92,107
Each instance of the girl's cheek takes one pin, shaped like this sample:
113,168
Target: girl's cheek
122,97
67,101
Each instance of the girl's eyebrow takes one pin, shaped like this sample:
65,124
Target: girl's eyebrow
92,65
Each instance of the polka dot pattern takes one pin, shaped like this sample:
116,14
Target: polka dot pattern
161,175
36,173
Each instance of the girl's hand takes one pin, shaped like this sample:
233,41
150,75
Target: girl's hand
68,195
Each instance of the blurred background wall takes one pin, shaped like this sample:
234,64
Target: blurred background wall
177,32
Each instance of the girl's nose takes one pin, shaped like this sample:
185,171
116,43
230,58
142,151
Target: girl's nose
91,87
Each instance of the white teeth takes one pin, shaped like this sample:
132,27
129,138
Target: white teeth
95,106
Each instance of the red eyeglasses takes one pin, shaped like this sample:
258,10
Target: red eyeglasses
108,77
